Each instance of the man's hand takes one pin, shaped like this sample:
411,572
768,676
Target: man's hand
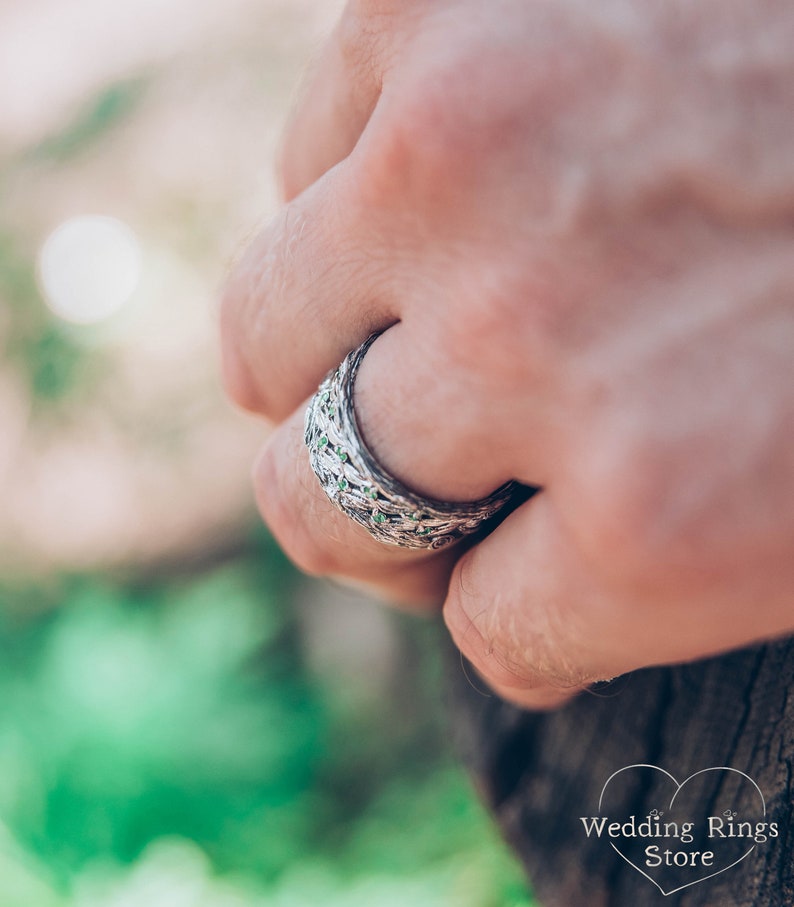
573,222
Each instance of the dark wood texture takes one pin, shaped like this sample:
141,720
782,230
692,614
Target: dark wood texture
539,773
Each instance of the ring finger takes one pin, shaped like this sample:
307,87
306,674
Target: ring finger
419,438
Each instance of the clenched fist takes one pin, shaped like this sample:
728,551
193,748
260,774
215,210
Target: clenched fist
574,224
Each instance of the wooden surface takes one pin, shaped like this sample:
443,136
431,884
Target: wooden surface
540,773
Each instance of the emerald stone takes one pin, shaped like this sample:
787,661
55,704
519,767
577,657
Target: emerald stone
342,483
371,493
326,397
341,454
378,518
323,442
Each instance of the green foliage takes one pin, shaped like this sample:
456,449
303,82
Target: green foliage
169,733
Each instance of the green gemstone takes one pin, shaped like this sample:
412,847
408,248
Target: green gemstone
423,530
378,518
371,493
331,410
323,442
342,484
326,397
341,454
413,517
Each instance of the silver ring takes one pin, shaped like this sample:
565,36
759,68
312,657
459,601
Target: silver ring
358,485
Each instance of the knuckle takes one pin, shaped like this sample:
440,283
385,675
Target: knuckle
416,152
484,629
429,139
436,126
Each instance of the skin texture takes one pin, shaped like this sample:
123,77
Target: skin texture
574,222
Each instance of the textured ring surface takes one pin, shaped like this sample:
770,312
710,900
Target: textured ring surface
359,486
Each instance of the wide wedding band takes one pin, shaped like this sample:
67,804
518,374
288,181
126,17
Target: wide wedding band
363,490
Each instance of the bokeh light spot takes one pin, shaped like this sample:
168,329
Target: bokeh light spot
89,267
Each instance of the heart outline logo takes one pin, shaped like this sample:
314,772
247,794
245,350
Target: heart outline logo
679,786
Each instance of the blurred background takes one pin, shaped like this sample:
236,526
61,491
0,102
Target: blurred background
184,720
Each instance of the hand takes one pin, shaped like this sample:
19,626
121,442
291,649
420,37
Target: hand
573,222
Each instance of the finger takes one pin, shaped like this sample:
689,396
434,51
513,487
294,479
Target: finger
539,699
401,400
335,105
522,607
305,293
436,423
321,540
310,290
311,287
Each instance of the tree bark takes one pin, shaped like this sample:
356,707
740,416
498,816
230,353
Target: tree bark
541,772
